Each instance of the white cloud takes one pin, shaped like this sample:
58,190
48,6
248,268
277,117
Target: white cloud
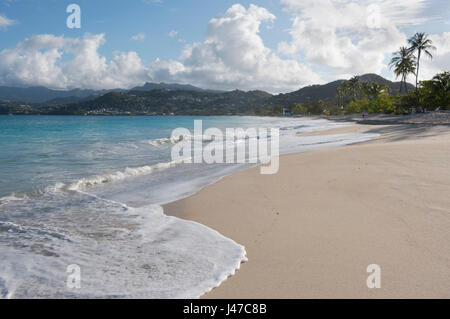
173,33
339,38
38,60
441,57
348,36
404,12
233,55
5,22
139,37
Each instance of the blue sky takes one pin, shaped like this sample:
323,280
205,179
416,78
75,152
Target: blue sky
197,53
121,19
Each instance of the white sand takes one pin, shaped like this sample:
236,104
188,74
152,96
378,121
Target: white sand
312,229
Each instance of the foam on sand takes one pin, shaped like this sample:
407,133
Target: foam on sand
122,252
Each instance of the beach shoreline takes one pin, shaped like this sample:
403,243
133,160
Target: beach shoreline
311,230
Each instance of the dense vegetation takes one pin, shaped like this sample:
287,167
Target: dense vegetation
154,102
178,100
352,96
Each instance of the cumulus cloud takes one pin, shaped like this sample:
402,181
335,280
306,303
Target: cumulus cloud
38,60
338,38
233,55
441,57
5,22
139,37
348,36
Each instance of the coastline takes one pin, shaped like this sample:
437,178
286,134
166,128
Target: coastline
311,230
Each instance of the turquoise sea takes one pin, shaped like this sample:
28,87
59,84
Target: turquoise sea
88,191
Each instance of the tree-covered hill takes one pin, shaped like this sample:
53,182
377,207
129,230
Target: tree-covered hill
180,99
329,90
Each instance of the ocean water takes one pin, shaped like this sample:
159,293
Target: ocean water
89,191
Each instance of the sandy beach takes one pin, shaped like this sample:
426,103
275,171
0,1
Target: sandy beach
311,230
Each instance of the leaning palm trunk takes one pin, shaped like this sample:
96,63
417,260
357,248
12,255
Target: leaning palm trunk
417,77
420,43
406,86
401,84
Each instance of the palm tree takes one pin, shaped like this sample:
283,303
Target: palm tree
442,82
354,87
374,89
420,43
341,93
403,64
441,88
350,89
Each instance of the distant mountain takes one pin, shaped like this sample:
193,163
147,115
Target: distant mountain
308,93
171,87
73,99
394,86
162,101
40,94
162,98
329,90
